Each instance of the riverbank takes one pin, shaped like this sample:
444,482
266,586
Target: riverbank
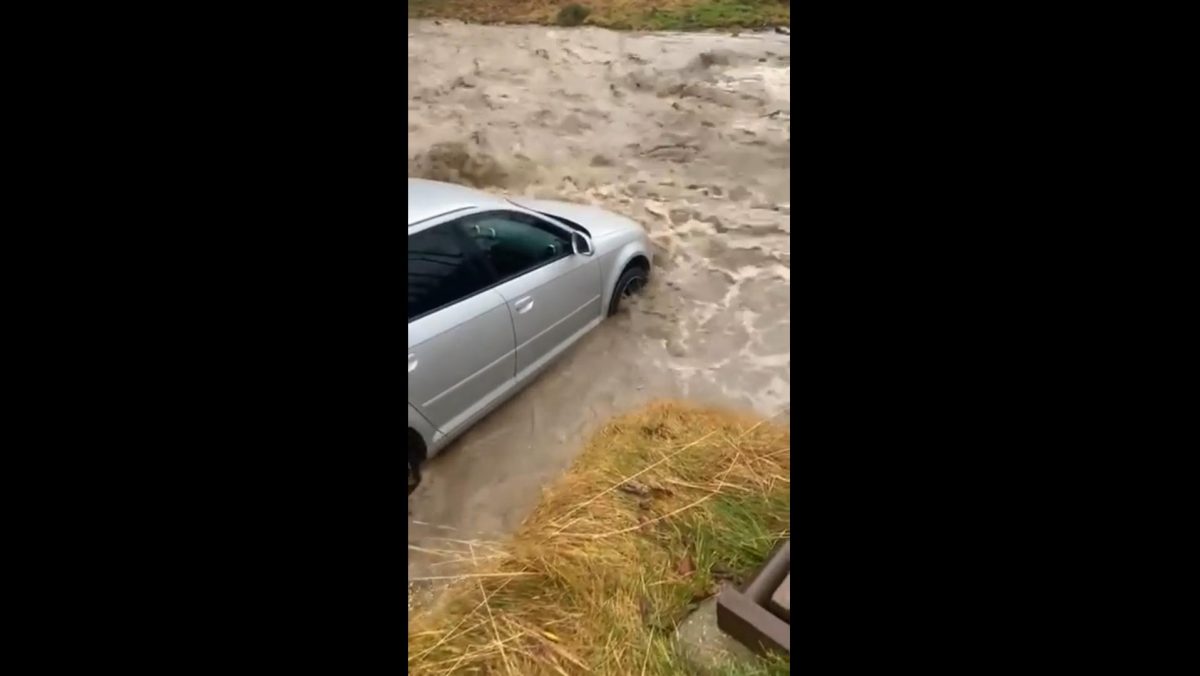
661,15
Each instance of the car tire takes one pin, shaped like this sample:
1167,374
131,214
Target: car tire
414,472
415,456
631,281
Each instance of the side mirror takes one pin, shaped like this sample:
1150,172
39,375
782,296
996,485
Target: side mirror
581,244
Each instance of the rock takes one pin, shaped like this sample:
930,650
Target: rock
781,599
601,161
708,649
783,30
739,193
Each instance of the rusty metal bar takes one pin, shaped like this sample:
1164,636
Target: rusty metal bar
751,616
771,575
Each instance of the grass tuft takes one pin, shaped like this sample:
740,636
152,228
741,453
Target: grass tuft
662,506
572,15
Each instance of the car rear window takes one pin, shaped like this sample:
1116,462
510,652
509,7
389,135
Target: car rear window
440,272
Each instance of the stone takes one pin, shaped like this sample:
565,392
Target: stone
781,599
708,649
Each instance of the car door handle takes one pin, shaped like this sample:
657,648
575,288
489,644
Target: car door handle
524,305
412,362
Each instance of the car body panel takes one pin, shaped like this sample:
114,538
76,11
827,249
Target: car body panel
460,357
421,425
618,240
551,304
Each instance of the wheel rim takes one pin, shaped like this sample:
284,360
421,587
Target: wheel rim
632,286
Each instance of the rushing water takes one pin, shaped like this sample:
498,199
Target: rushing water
688,134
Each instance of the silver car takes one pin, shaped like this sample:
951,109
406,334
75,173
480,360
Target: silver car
497,289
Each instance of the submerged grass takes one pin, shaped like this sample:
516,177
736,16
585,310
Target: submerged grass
661,507
619,14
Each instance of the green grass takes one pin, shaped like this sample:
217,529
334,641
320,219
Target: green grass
718,14
617,14
608,564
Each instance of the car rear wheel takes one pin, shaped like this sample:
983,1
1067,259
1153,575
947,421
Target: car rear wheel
416,453
414,473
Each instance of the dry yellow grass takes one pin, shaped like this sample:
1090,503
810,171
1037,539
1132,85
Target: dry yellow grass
662,505
621,14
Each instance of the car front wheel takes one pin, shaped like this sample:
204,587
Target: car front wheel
632,281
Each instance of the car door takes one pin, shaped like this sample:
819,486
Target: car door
461,355
553,294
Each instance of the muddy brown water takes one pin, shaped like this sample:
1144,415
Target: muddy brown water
688,134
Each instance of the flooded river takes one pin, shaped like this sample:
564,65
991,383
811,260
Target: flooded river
688,134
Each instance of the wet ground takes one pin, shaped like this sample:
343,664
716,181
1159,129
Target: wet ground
686,133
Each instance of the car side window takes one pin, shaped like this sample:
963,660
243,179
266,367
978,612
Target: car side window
514,243
441,270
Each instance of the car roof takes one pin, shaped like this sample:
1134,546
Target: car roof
427,199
